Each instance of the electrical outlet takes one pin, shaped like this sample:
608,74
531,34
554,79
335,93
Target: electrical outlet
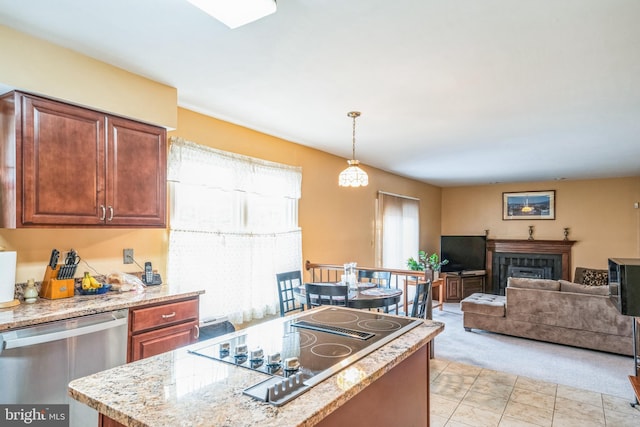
127,256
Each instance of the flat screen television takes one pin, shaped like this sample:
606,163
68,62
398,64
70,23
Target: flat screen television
465,253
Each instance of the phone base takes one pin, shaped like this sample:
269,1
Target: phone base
157,280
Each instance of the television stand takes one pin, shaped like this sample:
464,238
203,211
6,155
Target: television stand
462,284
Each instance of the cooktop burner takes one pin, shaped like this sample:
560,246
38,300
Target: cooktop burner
308,347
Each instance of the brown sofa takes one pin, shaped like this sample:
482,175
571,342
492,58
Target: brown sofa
557,311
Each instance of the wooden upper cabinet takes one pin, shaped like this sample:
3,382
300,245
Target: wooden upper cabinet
78,167
136,174
63,153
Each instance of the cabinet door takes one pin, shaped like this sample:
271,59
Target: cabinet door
104,421
149,344
453,289
136,174
62,152
471,285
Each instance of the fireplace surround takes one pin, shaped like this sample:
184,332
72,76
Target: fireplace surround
545,259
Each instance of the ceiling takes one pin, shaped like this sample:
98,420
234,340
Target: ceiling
456,92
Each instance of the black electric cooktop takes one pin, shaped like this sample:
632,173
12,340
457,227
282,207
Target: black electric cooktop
310,346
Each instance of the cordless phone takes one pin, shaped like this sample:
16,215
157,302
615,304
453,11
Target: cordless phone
148,273
150,278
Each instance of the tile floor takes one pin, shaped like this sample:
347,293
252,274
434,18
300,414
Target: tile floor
464,395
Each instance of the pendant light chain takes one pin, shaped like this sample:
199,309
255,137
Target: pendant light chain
354,115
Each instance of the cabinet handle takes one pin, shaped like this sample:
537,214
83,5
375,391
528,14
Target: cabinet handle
104,213
110,213
169,316
197,334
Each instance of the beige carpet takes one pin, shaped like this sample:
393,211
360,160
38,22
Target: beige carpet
584,369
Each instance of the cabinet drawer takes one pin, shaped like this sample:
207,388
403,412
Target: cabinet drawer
163,315
162,340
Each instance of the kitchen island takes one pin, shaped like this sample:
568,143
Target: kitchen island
389,386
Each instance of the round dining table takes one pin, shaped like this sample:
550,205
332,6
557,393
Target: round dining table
368,295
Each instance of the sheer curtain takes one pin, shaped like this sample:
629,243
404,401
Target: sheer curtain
398,230
234,225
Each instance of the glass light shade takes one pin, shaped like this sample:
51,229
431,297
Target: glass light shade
235,13
353,176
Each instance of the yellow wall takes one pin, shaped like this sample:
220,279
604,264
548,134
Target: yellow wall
36,66
600,214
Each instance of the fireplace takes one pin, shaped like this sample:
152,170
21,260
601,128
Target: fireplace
530,272
543,259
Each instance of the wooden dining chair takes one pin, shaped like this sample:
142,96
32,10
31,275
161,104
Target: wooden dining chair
422,301
286,284
326,294
380,278
422,307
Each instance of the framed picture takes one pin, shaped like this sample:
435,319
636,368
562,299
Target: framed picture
529,205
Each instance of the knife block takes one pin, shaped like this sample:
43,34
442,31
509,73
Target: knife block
52,288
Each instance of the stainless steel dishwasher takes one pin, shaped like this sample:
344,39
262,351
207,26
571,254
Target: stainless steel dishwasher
37,363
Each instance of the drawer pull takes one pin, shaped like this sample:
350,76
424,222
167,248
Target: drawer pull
197,335
169,316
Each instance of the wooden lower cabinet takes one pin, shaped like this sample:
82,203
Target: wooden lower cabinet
471,285
162,340
453,288
400,397
156,329
104,421
458,287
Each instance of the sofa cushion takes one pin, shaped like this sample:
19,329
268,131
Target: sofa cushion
595,278
583,289
541,284
591,276
487,304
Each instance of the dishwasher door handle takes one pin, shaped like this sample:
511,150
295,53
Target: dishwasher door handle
53,336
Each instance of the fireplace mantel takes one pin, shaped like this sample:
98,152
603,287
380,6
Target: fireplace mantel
561,248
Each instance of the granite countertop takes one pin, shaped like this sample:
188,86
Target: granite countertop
181,389
46,310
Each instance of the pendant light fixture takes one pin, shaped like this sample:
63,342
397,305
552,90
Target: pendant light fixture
353,176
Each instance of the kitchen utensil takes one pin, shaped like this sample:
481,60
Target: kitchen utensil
71,261
53,260
72,258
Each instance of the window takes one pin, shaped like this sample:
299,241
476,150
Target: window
398,230
233,226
